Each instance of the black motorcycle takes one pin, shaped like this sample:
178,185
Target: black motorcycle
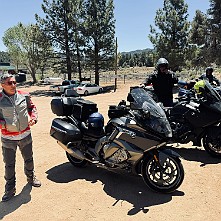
134,139
186,89
197,117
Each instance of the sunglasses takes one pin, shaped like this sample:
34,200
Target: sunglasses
11,82
163,65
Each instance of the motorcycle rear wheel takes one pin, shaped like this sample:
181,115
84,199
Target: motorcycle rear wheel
76,162
212,144
164,178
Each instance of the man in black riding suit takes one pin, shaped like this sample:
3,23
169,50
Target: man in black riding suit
209,76
163,81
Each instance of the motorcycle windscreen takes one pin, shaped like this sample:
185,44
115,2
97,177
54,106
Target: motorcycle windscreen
213,98
157,120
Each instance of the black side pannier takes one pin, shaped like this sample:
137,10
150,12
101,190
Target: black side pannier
65,132
63,106
83,109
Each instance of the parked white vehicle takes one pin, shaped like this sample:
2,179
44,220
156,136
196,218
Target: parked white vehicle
88,88
66,84
51,80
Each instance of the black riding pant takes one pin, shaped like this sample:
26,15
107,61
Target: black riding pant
9,148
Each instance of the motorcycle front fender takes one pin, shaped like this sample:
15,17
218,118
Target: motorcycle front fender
214,130
164,153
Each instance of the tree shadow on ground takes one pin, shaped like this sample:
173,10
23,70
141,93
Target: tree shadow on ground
16,202
42,93
48,93
196,154
122,187
37,93
109,88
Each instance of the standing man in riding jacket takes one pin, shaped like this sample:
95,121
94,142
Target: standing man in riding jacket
163,81
17,115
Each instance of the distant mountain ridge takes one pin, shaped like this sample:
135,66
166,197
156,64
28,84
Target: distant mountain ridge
139,51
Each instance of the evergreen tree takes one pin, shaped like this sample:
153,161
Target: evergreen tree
214,20
199,29
79,32
198,40
121,59
172,23
140,58
59,25
100,31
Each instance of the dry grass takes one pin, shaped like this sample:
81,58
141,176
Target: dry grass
138,74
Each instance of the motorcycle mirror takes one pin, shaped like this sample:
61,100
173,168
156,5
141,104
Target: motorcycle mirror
122,103
130,98
146,114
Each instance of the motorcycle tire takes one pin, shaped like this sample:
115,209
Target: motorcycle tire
212,144
165,177
76,162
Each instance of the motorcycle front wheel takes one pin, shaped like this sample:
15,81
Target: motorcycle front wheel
76,162
164,177
212,144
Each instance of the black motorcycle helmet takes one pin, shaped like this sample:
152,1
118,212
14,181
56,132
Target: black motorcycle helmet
209,70
162,62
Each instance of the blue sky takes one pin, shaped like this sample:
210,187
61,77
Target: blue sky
133,18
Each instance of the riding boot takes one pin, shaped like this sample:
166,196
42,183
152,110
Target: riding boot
33,181
8,194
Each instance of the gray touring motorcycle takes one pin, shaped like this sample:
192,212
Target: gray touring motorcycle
134,139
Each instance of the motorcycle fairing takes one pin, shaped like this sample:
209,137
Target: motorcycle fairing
157,120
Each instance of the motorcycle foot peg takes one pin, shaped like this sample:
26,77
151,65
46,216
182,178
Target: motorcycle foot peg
94,160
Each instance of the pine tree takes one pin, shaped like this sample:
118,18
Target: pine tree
171,40
100,31
214,20
59,25
198,32
198,40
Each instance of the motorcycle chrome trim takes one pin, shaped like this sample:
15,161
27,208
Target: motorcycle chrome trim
114,134
155,147
100,143
124,131
125,146
140,142
136,127
72,151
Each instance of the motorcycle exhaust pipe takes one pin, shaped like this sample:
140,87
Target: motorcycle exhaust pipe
72,151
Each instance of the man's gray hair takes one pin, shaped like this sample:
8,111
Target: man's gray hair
5,76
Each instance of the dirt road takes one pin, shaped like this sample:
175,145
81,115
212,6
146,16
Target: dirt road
90,193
